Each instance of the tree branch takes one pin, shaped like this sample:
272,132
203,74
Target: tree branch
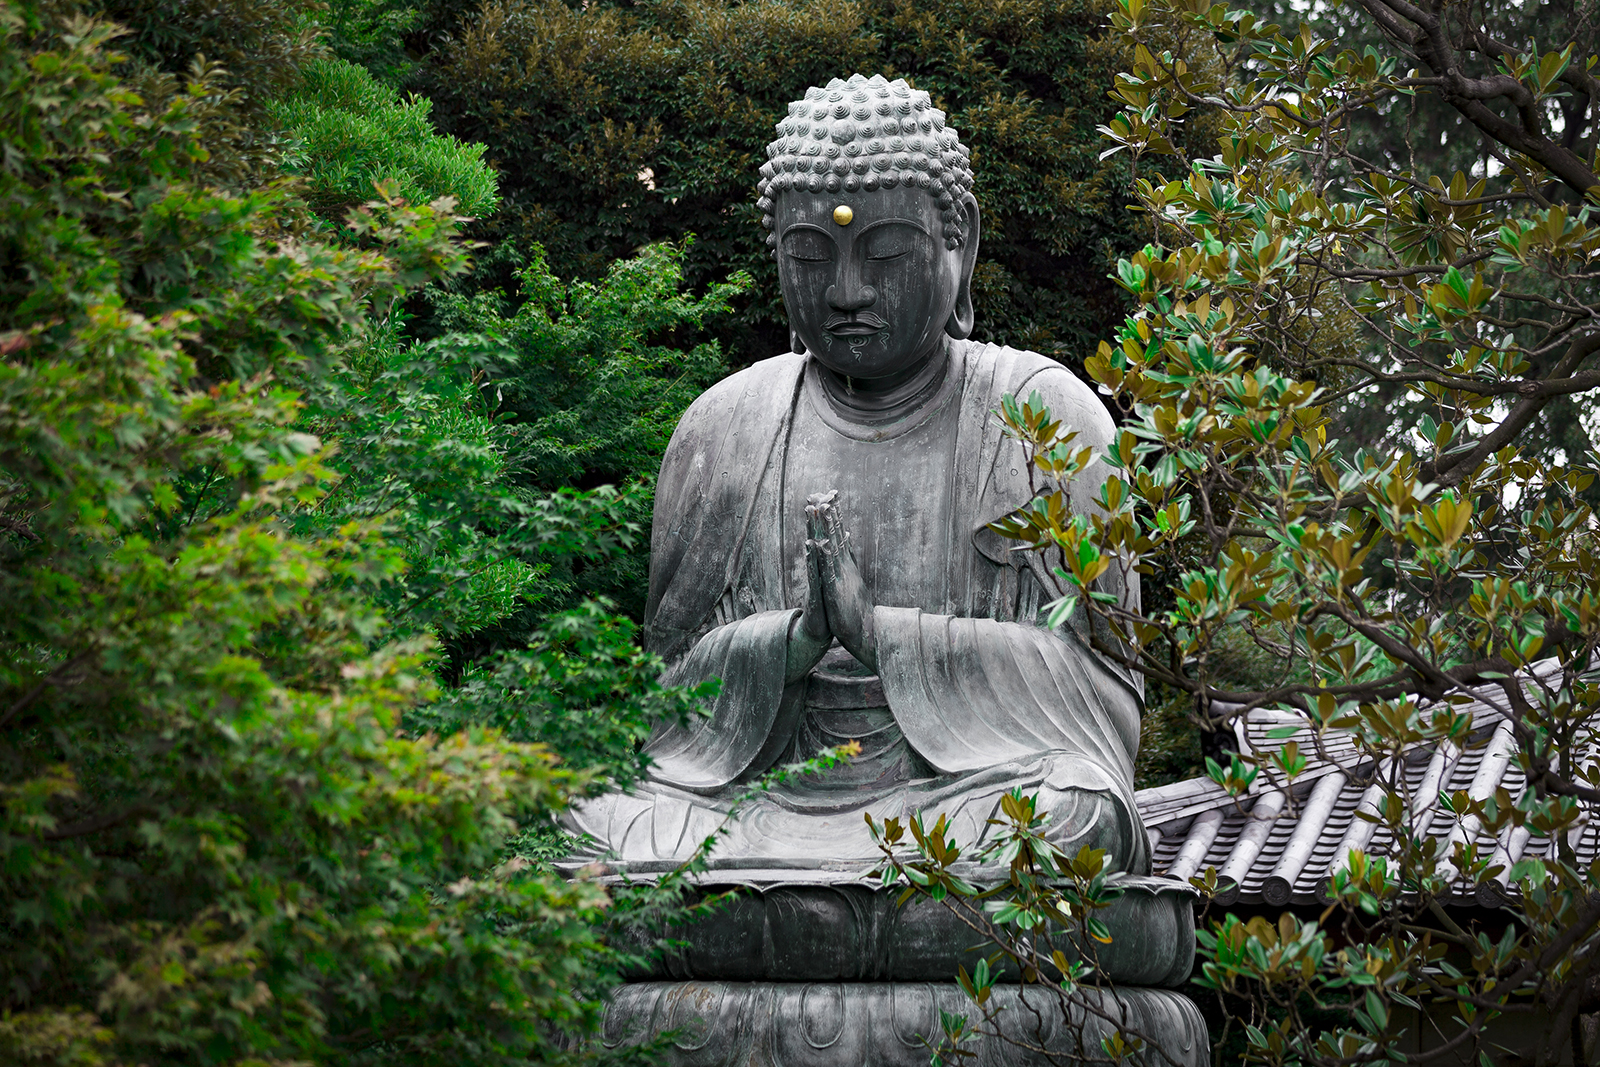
1424,32
103,821
1452,469
23,702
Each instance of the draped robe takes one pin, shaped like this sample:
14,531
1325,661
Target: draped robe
974,696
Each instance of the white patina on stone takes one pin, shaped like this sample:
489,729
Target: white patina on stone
821,544
882,1024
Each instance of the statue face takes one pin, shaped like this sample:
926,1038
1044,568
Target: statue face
870,297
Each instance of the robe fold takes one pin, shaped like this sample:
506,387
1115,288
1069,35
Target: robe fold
984,695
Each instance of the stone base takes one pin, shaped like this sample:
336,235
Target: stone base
884,1024
850,931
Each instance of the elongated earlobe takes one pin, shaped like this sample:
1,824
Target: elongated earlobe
959,324
795,344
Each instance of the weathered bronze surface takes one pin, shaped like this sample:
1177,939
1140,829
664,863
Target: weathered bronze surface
821,540
853,932
821,544
882,1024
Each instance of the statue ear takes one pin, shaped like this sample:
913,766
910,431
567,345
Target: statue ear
795,344
959,324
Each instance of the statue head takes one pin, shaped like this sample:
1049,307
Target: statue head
868,199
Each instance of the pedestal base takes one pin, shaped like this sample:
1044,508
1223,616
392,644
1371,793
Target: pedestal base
890,1024
777,929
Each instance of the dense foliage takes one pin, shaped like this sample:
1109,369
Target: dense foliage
588,382
616,124
351,132
313,545
241,819
1300,279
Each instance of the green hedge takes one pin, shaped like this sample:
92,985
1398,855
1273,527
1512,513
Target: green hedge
614,125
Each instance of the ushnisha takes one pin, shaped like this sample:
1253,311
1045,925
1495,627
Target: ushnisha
867,134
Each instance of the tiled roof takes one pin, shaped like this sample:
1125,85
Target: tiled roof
1278,845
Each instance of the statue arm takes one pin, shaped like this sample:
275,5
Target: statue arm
1076,405
970,694
762,661
809,635
713,470
748,721
974,692
1021,582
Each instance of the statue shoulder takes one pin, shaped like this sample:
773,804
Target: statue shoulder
766,382
709,474
1069,398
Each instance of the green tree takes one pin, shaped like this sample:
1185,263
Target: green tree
351,131
615,125
222,842
375,33
1424,133
1294,277
261,48
587,381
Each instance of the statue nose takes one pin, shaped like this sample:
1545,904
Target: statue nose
850,295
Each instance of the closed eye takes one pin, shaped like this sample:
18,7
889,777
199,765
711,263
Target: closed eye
891,240
807,246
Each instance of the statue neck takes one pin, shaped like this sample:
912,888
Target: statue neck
876,401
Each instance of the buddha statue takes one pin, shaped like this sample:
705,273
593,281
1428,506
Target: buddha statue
821,540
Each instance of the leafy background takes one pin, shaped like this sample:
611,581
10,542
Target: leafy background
341,346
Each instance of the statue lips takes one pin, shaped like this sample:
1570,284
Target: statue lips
864,324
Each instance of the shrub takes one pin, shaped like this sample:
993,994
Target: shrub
1299,272
614,125
218,841
350,132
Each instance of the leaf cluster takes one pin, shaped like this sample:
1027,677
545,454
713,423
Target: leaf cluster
1388,583
220,839
585,382
351,132
617,125
1038,908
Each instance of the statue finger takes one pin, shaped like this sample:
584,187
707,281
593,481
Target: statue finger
823,499
819,506
816,525
814,567
821,567
832,569
816,616
824,555
836,531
